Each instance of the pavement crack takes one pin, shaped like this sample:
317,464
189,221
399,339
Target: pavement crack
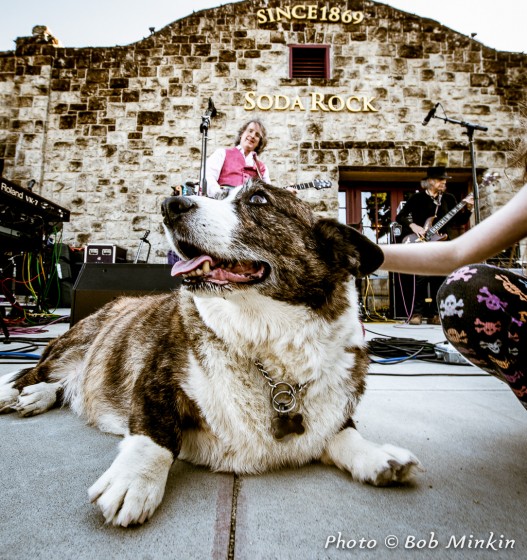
232,534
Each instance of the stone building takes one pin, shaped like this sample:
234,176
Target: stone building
342,87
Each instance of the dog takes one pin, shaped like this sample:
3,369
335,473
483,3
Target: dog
256,362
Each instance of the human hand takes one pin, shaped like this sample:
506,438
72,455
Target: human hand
469,199
418,230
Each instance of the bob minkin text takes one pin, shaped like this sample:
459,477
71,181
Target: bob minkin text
491,541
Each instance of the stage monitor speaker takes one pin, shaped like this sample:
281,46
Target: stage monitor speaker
98,284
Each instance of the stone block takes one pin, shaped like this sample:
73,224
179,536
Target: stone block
480,80
410,51
412,156
60,85
119,83
86,117
67,122
97,76
201,50
150,118
98,130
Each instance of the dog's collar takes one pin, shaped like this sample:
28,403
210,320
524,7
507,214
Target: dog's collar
283,395
284,401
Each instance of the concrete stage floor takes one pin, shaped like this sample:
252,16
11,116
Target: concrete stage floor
466,427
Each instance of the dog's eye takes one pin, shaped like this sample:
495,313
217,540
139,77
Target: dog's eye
258,198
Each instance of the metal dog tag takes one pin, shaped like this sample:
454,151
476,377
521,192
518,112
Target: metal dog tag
286,423
284,426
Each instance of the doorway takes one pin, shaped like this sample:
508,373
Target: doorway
369,200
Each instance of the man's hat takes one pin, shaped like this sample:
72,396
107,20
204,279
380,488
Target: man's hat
437,173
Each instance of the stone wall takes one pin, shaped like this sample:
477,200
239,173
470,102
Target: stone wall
107,131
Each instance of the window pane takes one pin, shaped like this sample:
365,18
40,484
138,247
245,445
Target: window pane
376,215
342,207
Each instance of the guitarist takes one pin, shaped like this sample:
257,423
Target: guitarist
418,214
231,167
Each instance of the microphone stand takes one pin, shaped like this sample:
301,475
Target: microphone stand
204,128
470,133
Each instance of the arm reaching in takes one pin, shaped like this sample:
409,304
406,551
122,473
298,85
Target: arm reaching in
499,231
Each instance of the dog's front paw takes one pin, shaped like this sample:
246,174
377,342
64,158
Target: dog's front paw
8,394
126,498
369,462
129,492
385,464
36,399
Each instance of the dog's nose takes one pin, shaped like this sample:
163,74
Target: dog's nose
175,205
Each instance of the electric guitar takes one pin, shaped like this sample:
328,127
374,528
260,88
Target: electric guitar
316,184
431,230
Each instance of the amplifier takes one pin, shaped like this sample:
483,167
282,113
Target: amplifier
104,253
98,284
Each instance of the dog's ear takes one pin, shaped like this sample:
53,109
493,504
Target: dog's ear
343,246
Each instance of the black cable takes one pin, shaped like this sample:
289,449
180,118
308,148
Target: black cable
392,349
26,348
40,340
395,350
21,350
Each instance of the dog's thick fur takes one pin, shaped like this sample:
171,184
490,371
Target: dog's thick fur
264,281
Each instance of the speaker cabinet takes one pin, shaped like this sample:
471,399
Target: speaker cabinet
98,284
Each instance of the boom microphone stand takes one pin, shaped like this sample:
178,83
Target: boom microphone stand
204,128
470,133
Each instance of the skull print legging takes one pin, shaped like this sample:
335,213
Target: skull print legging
483,311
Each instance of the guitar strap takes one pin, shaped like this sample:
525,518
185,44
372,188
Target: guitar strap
438,204
255,159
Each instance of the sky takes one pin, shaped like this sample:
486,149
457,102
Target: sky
103,23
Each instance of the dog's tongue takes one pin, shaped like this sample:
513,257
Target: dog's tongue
239,273
183,267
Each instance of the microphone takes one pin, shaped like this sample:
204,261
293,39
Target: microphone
209,114
211,110
431,113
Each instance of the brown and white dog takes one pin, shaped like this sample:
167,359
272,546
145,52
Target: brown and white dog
257,362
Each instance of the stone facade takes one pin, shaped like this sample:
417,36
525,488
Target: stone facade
106,132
